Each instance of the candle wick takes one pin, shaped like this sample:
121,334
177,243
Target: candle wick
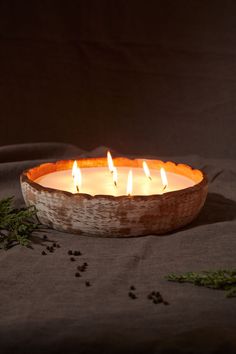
150,178
115,184
77,188
164,188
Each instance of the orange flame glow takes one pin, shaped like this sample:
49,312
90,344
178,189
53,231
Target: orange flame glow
146,170
77,177
110,162
130,183
164,178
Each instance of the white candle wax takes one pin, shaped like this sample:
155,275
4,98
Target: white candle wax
98,180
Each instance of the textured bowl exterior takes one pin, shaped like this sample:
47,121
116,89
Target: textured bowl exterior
109,216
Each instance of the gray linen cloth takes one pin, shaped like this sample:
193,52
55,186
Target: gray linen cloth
44,308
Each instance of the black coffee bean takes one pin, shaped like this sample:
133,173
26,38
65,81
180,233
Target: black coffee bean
77,253
70,253
132,295
43,253
72,259
159,300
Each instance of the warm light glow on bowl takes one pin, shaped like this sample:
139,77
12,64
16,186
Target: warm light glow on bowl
109,215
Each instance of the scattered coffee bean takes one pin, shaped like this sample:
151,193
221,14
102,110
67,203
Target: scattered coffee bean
72,259
156,298
82,268
54,244
70,253
77,253
87,283
45,237
77,274
48,248
132,287
58,246
43,253
132,295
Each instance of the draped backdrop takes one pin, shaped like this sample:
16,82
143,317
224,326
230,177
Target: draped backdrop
150,77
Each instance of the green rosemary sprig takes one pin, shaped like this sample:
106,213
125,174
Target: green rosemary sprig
223,279
16,225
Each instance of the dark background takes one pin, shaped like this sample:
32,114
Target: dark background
143,77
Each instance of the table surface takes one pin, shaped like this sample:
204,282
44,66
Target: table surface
45,308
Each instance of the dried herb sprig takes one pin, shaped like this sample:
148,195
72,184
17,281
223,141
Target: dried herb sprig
16,225
223,279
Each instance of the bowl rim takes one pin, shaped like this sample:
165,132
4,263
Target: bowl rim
24,178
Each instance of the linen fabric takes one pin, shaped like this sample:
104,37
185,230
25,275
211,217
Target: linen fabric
45,308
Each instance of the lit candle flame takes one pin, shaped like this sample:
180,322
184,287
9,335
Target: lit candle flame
110,162
146,170
115,176
164,178
130,183
77,177
74,168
